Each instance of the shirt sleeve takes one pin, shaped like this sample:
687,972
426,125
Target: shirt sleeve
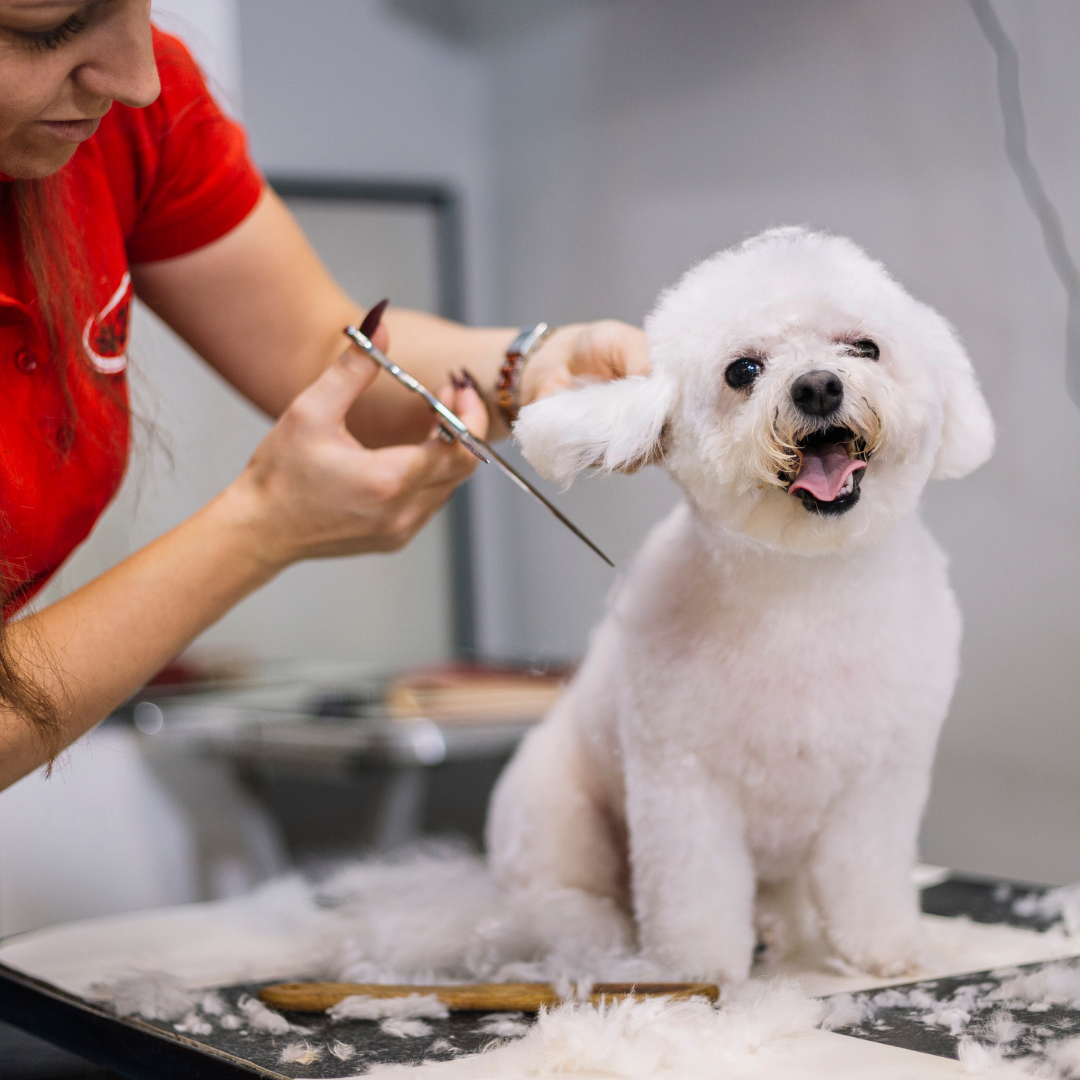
190,178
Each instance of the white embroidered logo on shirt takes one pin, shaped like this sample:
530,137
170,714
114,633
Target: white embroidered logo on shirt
105,336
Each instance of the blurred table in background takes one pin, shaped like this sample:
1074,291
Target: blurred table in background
357,764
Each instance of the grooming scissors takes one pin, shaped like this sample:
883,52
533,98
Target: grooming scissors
449,423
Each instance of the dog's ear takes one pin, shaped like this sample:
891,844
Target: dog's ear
613,425
967,429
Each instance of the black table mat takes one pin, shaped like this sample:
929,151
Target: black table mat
460,1033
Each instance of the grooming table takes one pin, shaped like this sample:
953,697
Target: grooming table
144,1050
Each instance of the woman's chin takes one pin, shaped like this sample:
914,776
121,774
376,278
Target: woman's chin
33,155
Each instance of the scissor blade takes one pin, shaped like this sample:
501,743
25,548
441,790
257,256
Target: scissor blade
454,426
524,484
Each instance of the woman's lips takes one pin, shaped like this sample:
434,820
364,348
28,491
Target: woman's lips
72,130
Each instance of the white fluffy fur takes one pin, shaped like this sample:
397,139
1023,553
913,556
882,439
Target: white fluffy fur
749,740
651,1038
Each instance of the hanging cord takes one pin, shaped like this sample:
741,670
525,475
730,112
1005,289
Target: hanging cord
1016,150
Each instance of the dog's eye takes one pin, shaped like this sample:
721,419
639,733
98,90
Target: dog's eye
866,348
742,372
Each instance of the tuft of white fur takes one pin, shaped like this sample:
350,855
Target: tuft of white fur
504,1025
261,1018
212,1004
435,914
343,1051
1056,904
1065,1055
193,1024
153,995
976,1057
412,1006
443,1046
691,1040
300,1053
1054,984
844,1010
403,1028
613,426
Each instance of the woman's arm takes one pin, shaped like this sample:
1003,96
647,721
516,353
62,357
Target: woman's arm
262,309
311,490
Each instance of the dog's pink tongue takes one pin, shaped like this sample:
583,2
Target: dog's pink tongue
824,471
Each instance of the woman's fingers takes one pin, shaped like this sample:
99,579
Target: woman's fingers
330,396
436,462
470,406
607,349
325,494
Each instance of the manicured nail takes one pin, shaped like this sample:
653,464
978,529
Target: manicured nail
468,382
373,318
456,383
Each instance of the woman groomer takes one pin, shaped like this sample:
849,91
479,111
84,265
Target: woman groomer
118,175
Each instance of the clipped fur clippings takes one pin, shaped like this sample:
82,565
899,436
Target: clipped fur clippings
300,1053
411,1007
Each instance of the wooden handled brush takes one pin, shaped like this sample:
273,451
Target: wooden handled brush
472,997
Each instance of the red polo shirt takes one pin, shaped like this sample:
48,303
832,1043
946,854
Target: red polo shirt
151,184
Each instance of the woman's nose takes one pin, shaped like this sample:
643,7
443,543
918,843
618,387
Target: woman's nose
121,64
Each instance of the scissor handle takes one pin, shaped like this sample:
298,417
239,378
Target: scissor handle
452,424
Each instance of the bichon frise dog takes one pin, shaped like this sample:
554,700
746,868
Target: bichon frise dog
759,709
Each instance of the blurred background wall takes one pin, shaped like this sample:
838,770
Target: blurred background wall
599,148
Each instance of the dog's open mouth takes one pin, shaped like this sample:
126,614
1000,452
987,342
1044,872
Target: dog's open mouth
830,470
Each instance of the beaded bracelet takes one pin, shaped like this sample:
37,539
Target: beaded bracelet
520,349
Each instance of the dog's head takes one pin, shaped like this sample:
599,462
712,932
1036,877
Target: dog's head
798,395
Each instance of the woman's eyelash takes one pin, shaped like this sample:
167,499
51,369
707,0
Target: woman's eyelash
51,39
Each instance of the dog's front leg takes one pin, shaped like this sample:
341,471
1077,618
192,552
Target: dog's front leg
860,872
692,876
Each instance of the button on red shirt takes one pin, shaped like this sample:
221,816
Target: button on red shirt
26,361
151,184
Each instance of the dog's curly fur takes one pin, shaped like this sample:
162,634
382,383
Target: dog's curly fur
752,731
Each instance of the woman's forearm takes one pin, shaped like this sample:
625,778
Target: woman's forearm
310,490
93,649
260,307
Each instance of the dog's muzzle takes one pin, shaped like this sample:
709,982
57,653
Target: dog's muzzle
831,464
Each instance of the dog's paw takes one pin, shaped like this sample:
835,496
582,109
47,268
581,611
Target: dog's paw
887,955
725,962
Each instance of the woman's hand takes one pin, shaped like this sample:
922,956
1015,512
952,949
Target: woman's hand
316,492
602,350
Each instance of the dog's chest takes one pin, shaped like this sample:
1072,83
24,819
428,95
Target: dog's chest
788,679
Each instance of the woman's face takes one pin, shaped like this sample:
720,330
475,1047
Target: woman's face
62,65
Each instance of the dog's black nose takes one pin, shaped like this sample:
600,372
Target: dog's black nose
817,393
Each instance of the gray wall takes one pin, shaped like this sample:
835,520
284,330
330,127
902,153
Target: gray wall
604,146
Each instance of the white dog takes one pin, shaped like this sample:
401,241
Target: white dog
761,704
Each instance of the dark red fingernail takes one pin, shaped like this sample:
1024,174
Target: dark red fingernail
456,383
373,318
468,382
